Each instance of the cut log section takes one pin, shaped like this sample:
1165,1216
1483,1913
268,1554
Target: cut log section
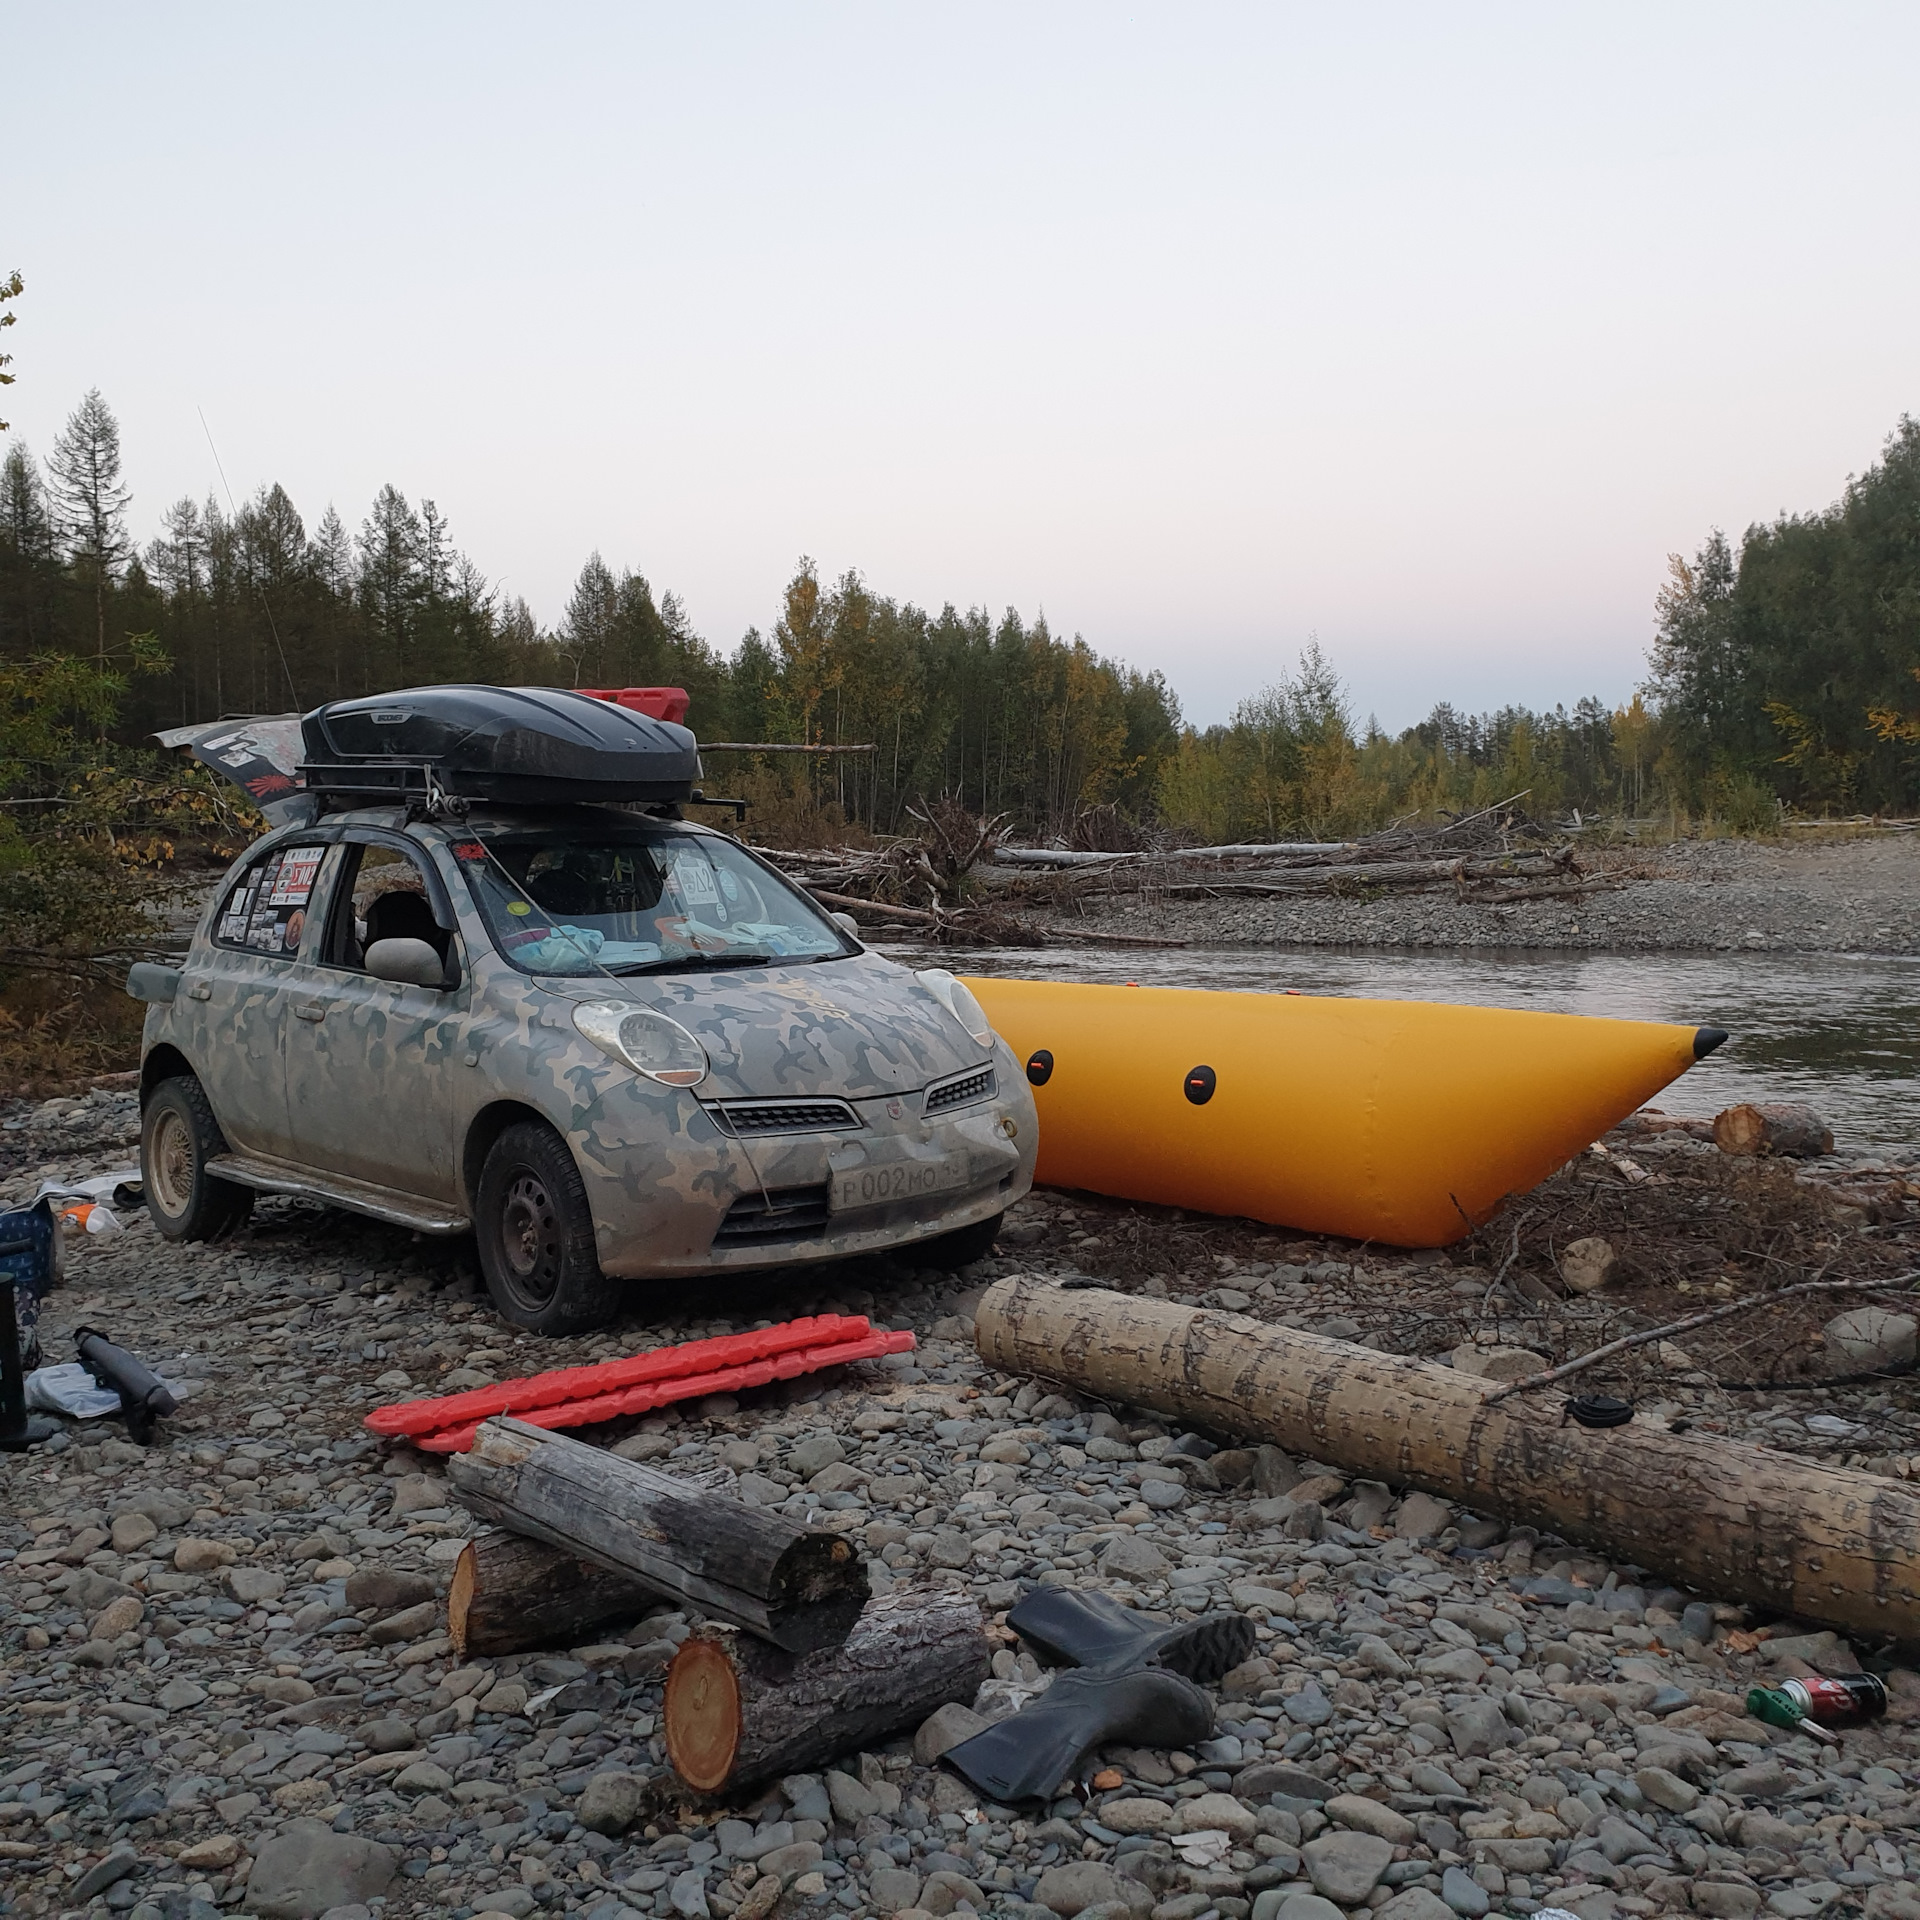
1731,1521
509,1592
1798,1132
738,1711
802,1588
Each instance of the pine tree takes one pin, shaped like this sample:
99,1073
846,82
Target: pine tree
389,583
587,628
26,527
30,579
90,501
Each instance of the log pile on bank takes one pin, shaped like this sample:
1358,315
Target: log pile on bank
960,882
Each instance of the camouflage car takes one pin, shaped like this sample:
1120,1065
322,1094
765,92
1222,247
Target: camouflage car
615,1047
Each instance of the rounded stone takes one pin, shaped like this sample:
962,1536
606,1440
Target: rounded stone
131,1530
1345,1867
1215,1812
1140,1815
1370,1816
307,1868
1077,1885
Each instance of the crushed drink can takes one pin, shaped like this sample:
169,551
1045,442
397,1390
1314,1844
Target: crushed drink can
1851,1701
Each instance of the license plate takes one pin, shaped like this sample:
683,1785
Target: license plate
898,1180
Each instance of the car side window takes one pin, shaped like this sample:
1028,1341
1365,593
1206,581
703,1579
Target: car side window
382,895
265,911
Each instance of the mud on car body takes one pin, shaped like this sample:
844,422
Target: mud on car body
615,1046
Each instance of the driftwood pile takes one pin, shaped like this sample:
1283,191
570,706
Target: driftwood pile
1497,854
931,886
960,883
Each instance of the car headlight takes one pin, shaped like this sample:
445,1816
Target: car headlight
646,1041
958,1000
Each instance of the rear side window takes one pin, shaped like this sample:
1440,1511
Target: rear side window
383,896
266,911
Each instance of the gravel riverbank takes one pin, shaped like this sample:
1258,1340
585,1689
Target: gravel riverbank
207,1711
1848,896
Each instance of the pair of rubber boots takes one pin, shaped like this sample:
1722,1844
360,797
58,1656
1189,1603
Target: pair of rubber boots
1131,1680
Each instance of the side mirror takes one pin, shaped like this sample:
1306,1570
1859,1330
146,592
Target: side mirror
148,980
846,923
410,963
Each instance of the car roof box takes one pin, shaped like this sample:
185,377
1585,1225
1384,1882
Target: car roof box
516,745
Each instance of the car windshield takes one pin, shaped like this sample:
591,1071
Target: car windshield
585,900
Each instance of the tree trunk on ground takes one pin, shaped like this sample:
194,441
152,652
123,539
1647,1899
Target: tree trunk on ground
798,1587
872,909
509,1592
1730,1521
737,1710
1795,1131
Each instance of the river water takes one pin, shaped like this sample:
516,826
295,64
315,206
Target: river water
1839,1032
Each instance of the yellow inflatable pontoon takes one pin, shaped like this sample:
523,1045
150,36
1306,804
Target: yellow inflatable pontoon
1402,1121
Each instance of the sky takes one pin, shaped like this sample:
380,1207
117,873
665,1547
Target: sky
1429,332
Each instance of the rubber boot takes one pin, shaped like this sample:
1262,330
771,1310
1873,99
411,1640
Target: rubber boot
1028,1754
1066,1628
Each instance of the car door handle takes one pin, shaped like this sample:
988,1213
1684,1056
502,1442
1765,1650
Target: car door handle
199,990
310,1010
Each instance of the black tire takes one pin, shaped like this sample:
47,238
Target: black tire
534,1230
178,1136
964,1245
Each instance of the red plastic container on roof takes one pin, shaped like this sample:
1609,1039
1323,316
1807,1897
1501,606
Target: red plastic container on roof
657,703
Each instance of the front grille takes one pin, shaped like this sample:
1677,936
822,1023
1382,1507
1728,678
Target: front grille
782,1213
962,1092
783,1116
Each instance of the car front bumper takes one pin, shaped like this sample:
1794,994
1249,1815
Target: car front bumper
673,1192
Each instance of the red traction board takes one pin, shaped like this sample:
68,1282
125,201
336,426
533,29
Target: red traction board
581,1396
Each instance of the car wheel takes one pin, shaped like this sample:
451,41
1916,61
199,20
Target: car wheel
963,1246
178,1136
535,1234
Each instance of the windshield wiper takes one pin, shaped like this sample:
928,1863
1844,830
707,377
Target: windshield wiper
691,960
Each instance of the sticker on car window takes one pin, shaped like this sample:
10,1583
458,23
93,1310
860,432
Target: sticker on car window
296,876
267,910
693,880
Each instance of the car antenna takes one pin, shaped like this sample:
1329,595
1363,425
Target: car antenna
279,647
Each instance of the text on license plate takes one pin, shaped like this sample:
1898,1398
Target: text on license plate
902,1180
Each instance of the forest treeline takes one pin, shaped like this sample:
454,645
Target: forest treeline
1782,672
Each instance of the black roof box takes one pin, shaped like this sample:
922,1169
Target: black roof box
518,745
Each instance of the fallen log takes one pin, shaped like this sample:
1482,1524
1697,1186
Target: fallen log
1068,857
1731,1521
509,1592
737,1710
801,1588
1377,873
872,909
1797,1132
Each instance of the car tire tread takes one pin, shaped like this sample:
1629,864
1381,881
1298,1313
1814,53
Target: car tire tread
584,1297
213,1205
